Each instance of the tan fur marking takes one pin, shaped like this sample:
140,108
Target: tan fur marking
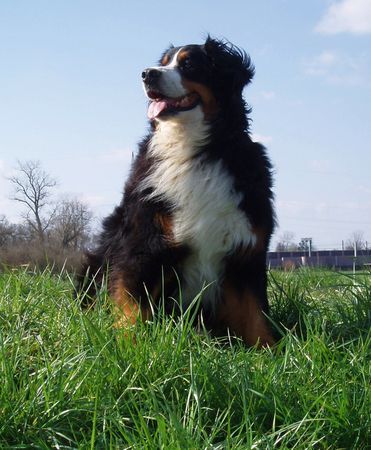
165,222
209,104
128,311
165,60
183,54
241,313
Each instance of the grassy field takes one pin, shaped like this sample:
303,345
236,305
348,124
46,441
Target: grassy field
69,380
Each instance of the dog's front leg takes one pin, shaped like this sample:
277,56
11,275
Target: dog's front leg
240,311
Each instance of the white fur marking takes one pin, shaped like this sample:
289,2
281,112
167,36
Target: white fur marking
171,80
206,213
174,61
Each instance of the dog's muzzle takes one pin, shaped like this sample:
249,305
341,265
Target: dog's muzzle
150,77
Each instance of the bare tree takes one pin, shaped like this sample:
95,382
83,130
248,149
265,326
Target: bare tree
6,231
286,242
33,187
13,233
71,224
357,239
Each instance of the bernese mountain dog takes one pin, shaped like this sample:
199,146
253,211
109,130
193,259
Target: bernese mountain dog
196,214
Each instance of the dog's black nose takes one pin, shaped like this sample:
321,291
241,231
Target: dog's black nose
150,75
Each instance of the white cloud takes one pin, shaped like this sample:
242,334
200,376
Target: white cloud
346,16
93,201
8,207
321,207
321,64
339,68
268,95
117,155
256,137
4,201
320,166
364,189
293,207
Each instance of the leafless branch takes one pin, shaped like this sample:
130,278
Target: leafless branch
32,187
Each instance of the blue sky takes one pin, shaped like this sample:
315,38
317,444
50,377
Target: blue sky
71,97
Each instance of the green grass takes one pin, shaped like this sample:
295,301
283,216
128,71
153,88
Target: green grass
69,380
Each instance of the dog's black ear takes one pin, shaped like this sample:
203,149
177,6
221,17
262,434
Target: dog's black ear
230,62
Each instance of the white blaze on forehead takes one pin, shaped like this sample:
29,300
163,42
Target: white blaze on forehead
174,60
170,82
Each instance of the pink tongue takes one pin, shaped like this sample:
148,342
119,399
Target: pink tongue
155,108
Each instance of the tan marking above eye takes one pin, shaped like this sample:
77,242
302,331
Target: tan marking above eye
165,60
183,54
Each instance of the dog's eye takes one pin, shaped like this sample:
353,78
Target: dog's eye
187,64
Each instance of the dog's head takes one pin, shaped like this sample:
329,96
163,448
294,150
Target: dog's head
208,77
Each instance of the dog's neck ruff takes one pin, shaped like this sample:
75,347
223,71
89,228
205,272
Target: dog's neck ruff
179,140
205,204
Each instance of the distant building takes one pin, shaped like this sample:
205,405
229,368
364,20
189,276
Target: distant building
337,259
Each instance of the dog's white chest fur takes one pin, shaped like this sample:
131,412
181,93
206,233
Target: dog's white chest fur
206,214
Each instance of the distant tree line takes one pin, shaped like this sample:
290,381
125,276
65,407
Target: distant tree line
53,233
56,233
287,243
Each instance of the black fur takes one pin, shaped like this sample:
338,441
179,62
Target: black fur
132,246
